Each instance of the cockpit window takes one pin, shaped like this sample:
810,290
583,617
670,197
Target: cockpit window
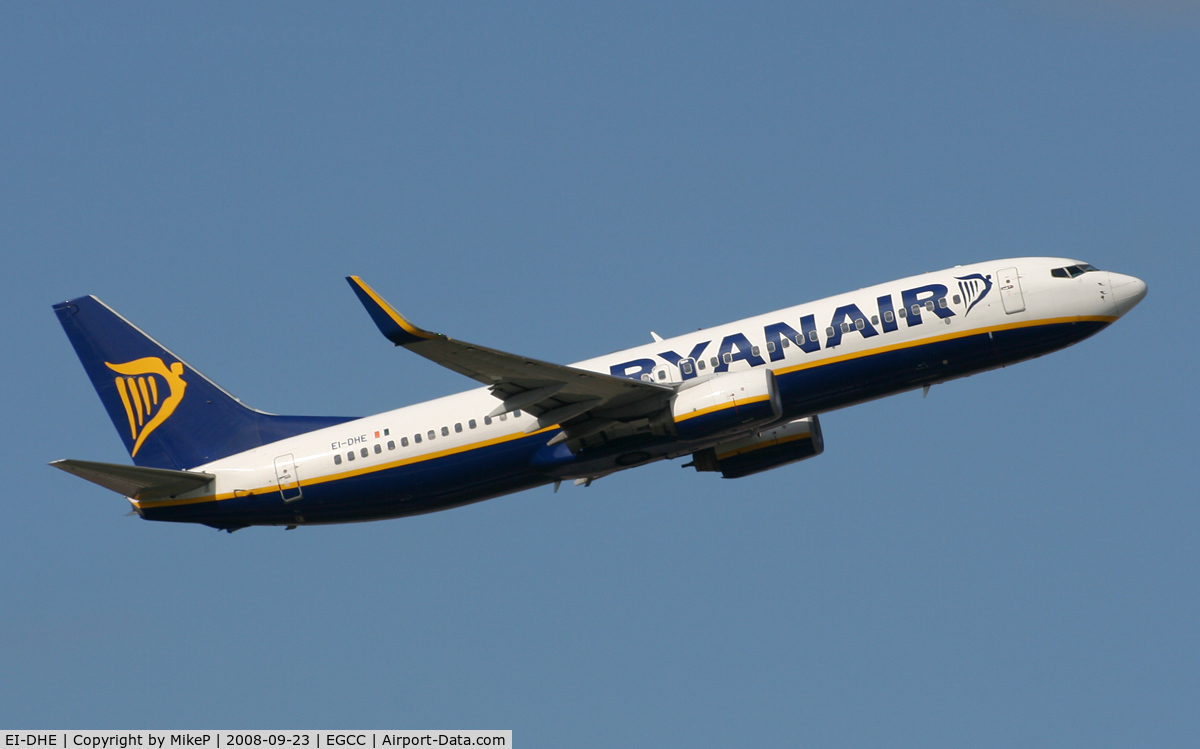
1071,271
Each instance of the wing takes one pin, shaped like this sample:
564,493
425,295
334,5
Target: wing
585,404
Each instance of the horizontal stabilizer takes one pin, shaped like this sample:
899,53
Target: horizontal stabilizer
136,482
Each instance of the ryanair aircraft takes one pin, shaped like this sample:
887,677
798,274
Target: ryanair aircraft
738,398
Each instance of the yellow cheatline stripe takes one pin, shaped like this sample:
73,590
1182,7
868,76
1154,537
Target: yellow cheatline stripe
391,311
240,493
761,445
721,407
939,339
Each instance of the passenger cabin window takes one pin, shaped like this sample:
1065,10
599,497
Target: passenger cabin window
812,336
445,431
378,448
487,420
337,459
957,299
845,327
350,455
714,361
363,452
916,309
404,442
700,364
686,367
391,444
771,346
782,341
901,312
662,374
728,358
754,350
943,303
417,438
471,424
458,427
874,319
503,417
517,413
860,323
432,435
829,332
929,305
888,316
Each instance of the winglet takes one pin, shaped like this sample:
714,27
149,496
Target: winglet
390,322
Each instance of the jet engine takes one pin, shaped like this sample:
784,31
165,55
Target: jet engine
766,449
730,402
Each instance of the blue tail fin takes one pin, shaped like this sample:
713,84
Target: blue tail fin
168,414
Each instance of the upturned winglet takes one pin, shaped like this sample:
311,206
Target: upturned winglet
390,322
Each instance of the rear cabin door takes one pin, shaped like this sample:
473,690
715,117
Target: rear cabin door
1010,290
289,480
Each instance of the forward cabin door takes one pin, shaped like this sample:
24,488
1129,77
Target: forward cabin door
289,480
1010,290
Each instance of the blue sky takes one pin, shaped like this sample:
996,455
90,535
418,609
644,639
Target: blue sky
559,181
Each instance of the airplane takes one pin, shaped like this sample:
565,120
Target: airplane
739,399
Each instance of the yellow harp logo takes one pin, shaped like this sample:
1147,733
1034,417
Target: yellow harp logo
148,403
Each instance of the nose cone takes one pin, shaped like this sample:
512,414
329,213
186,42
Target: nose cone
1127,291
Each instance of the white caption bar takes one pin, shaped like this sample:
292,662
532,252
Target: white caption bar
250,739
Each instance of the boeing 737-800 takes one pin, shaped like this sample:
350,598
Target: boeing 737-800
738,399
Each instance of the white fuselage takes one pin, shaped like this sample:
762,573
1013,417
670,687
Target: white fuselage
854,329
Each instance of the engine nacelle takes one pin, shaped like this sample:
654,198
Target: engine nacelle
770,448
726,403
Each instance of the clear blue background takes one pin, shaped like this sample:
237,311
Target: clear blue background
1011,561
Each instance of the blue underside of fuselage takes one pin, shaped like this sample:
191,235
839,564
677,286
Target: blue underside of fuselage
487,472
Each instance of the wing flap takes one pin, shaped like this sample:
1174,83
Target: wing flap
134,481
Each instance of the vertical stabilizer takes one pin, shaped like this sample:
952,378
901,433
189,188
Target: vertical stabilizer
168,414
